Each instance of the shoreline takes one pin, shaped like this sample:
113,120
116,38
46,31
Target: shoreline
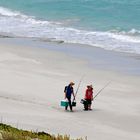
120,62
33,75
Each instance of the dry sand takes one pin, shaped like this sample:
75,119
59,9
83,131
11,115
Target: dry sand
32,81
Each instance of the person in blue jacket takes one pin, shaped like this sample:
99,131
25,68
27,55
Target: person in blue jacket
69,91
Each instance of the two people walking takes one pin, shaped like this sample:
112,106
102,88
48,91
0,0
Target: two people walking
69,91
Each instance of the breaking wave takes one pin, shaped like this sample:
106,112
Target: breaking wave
20,25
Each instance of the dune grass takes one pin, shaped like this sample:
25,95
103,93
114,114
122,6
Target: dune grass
8,132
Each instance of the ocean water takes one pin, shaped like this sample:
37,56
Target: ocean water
109,24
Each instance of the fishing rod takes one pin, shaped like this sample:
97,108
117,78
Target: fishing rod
101,90
79,85
74,101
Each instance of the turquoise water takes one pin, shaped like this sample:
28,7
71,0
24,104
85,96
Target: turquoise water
110,24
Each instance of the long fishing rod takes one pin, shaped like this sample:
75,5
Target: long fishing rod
74,101
79,85
101,90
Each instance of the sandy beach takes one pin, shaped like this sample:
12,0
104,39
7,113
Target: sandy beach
33,75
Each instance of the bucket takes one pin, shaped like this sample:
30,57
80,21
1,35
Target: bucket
64,103
83,101
74,103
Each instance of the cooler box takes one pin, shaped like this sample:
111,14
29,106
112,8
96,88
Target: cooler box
64,103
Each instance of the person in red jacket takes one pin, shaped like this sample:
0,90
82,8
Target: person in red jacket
88,97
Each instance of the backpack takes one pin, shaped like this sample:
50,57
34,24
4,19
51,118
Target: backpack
65,89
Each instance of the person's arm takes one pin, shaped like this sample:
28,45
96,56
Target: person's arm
73,95
65,92
65,95
92,96
86,94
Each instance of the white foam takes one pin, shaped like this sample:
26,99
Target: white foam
8,12
26,26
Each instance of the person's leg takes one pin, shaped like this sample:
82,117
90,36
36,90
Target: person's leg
70,105
66,107
89,105
86,105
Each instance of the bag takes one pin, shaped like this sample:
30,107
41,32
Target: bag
83,101
74,103
65,89
64,103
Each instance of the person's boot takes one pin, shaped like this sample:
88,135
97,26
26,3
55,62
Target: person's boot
66,107
85,107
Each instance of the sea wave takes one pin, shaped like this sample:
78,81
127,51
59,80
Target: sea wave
8,12
18,24
132,32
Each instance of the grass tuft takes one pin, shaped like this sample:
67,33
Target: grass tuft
8,132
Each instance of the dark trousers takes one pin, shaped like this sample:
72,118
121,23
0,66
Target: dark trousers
70,105
87,103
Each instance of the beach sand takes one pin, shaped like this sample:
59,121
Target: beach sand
33,77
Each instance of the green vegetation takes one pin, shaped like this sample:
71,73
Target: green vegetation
8,132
